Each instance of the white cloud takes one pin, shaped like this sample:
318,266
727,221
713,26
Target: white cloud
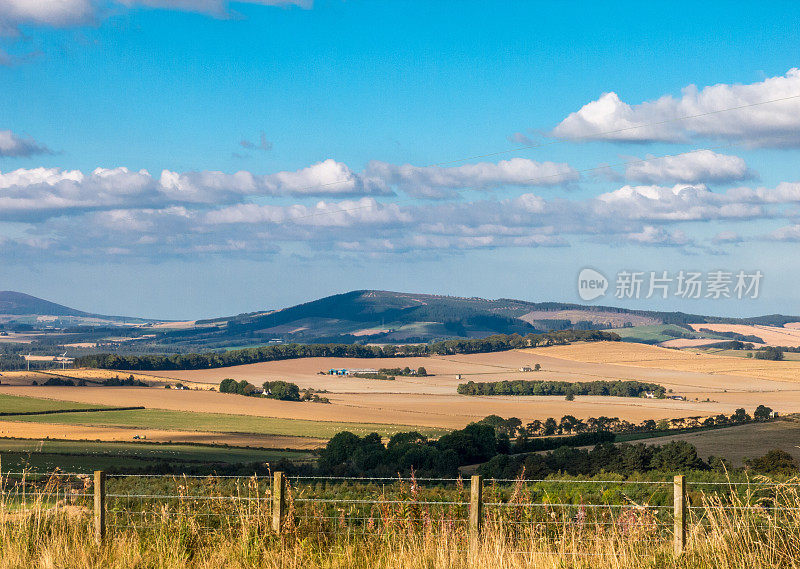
58,13
68,13
788,233
701,166
772,124
677,203
323,214
45,192
440,182
657,236
727,237
120,213
13,145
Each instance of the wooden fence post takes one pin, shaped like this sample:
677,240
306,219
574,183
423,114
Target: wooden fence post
278,501
679,513
99,506
475,511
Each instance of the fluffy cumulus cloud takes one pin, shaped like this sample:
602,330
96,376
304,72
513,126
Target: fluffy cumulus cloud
696,113
693,167
14,145
327,208
47,192
439,182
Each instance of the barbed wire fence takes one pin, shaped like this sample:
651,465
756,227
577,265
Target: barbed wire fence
523,510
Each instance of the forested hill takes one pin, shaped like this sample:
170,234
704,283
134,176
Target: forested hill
372,316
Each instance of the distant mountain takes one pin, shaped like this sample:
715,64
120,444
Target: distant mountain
19,303
361,316
385,316
21,307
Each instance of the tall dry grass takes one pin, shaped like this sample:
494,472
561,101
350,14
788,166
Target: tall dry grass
753,529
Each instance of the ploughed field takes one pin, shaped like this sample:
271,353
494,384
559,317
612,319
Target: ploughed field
710,383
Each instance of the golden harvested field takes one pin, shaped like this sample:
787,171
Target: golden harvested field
654,357
20,430
772,335
711,383
425,410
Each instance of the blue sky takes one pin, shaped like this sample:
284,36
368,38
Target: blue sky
329,106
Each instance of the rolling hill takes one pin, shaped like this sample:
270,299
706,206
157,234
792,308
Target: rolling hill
361,316
386,316
18,307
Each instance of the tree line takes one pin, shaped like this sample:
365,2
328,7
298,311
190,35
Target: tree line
507,447
496,343
281,390
543,387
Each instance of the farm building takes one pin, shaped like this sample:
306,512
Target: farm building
343,371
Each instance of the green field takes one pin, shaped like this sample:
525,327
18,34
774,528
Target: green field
82,456
15,404
654,334
218,422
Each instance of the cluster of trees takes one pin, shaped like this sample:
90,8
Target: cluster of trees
406,371
491,442
497,343
539,387
773,353
748,338
347,454
58,382
676,456
282,390
379,375
129,381
570,425
242,387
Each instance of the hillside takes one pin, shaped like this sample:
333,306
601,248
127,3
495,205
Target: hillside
18,307
367,316
19,303
387,317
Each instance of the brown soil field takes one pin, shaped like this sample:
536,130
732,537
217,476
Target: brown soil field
743,441
772,335
22,430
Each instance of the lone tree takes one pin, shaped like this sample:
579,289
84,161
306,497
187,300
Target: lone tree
762,413
774,462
